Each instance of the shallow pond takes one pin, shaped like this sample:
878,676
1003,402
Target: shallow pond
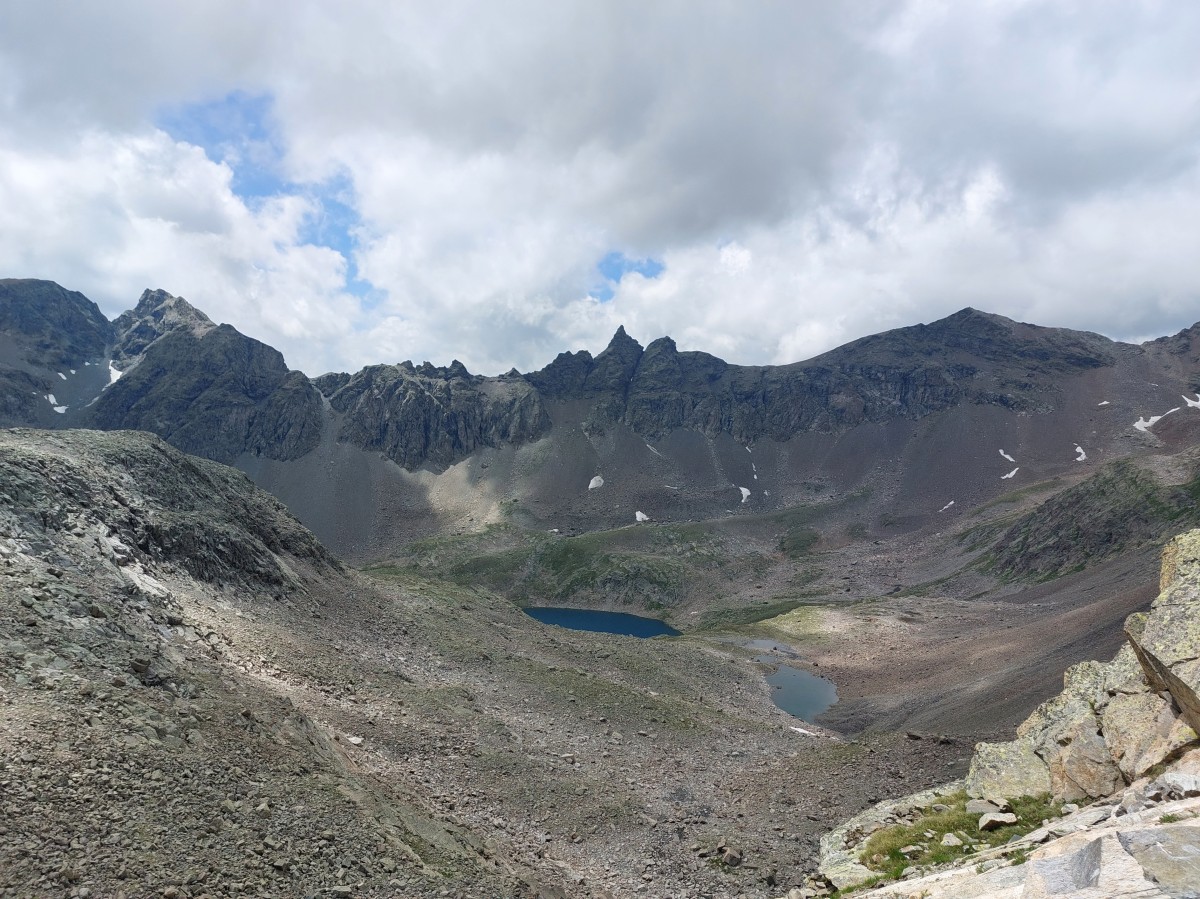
797,692
601,622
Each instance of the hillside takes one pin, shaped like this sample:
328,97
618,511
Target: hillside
197,698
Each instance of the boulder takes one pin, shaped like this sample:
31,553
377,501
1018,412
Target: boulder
1007,770
996,820
1169,856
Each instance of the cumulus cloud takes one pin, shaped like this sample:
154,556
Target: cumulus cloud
804,172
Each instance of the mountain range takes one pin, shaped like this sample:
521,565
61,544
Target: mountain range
957,411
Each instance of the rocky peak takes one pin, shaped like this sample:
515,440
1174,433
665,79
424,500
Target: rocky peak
157,313
426,414
213,392
614,367
564,376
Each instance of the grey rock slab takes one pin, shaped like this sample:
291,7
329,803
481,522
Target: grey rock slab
1170,857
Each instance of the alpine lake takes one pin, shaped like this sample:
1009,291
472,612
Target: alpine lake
794,690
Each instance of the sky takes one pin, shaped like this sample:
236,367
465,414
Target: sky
356,183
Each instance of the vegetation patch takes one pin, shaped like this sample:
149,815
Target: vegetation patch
1015,496
920,844
1122,507
741,616
798,541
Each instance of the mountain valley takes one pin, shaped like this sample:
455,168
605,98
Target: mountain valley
270,624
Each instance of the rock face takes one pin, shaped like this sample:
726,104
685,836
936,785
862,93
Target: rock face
968,358
429,414
217,395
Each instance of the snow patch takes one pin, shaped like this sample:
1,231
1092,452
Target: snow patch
50,398
669,487
1007,456
1102,403
747,449
1082,457
61,375
656,452
61,409
745,493
595,482
1005,477
947,506
114,373
73,372
640,516
1193,403
802,731
1144,424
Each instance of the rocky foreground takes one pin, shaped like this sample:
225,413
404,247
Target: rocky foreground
1116,753
196,699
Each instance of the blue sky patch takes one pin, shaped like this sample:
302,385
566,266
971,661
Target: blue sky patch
616,265
238,130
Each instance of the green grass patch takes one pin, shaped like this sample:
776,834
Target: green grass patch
798,541
882,851
1015,496
741,616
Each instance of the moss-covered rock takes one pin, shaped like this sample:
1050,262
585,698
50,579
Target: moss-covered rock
1007,769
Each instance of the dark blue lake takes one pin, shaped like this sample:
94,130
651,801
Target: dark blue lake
601,622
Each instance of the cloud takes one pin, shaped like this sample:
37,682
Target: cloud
805,172
115,215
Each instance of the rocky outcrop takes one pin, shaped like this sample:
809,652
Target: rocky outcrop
1121,736
1096,853
437,415
168,508
1114,723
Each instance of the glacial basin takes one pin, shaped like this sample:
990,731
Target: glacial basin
601,622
